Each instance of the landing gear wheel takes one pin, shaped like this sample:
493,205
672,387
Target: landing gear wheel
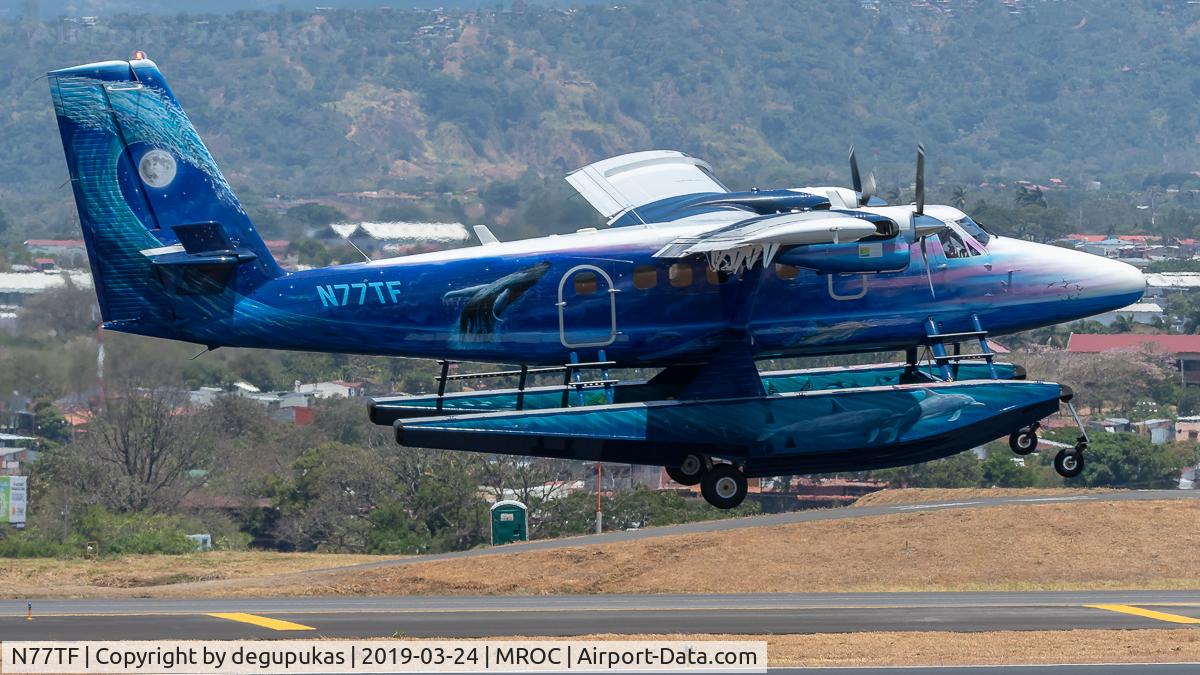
1023,441
689,472
724,486
1069,462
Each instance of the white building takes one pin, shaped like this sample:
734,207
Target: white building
17,287
1159,284
1140,312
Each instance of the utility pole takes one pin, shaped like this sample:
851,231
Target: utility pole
599,510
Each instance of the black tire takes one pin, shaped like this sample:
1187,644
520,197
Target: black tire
1069,462
724,486
689,473
1023,442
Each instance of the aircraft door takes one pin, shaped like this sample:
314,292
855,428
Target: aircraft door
587,308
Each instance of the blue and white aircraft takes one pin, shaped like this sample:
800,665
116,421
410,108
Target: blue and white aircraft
688,277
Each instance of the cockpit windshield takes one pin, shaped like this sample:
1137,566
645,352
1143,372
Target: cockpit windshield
974,229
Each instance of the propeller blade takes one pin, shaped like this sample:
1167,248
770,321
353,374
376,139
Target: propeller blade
920,179
868,190
928,272
855,179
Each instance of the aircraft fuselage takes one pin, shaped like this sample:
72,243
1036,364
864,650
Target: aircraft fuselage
536,301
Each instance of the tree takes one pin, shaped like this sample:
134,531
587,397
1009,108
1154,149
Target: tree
49,423
1124,323
315,215
327,507
961,470
140,444
61,312
533,482
1129,460
958,197
1001,469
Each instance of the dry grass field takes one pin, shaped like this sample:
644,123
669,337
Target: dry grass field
1073,545
43,577
930,495
1062,546
932,648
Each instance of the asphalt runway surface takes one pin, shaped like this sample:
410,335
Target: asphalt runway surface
499,616
749,614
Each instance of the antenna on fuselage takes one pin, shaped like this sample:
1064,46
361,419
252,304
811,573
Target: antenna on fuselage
347,230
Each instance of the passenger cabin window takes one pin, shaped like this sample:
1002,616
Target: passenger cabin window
680,275
585,283
712,276
786,272
645,276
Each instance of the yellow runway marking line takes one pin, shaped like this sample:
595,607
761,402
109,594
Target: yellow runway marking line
264,621
1147,613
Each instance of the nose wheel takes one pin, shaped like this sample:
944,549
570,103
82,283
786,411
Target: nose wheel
724,486
1069,461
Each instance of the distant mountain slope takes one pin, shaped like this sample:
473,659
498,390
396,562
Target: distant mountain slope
55,8
297,102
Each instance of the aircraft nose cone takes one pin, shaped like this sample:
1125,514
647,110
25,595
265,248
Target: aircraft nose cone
1119,284
1125,279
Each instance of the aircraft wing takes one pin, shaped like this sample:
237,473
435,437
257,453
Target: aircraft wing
767,234
617,185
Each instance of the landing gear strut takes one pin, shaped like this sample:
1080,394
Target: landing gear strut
690,471
724,486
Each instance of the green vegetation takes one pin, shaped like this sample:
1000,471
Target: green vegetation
1113,460
506,102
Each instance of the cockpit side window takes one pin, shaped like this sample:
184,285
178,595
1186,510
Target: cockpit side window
974,229
954,245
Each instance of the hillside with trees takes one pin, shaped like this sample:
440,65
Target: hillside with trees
305,102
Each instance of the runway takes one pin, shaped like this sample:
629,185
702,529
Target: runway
748,614
457,617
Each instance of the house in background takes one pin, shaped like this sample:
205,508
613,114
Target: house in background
1185,349
69,253
1159,431
1187,428
15,455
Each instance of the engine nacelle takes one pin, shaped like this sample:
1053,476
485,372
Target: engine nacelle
868,255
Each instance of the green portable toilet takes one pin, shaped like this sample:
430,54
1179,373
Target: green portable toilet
509,522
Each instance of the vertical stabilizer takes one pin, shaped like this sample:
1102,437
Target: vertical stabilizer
169,243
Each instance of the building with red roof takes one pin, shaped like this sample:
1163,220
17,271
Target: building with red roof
1185,348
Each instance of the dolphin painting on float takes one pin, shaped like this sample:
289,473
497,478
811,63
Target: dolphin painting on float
845,427
937,405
